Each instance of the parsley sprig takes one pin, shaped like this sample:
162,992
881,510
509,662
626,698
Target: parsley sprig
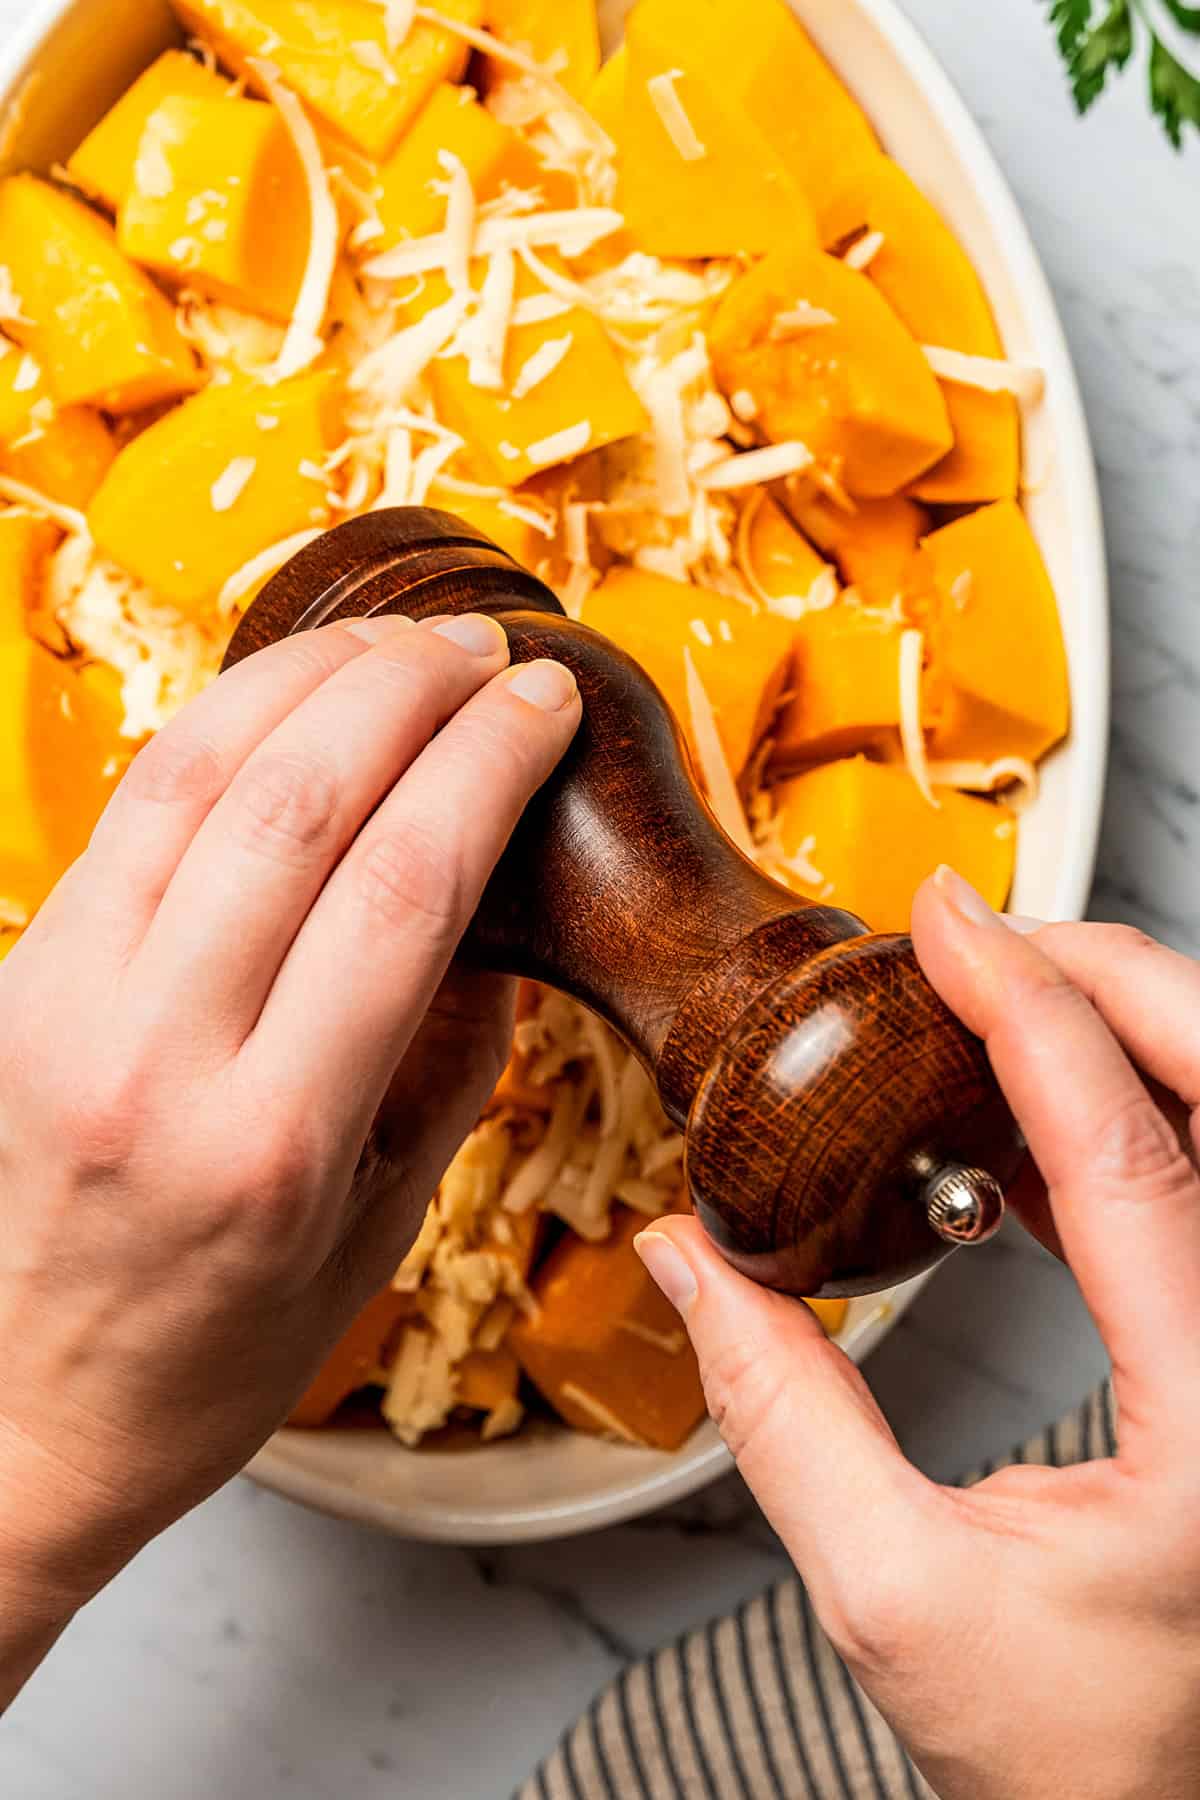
1098,41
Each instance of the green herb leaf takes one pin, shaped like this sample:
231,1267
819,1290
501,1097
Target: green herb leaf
1174,93
1093,49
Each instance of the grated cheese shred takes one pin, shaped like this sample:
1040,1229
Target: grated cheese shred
540,365
991,374
864,250
751,467
912,735
303,342
664,97
714,765
231,483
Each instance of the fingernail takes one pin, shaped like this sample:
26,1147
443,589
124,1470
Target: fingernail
667,1269
1018,923
544,684
967,902
384,625
475,633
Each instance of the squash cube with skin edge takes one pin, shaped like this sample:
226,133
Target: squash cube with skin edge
103,163
869,836
582,402
876,547
927,278
605,1348
998,685
857,392
219,200
102,332
846,687
204,488
743,659
334,56
411,200
562,34
25,543
63,451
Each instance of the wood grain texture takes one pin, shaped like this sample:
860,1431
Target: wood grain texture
816,1073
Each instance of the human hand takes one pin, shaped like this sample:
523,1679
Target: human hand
235,1060
1038,1634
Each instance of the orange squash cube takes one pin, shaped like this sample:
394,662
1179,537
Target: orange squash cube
218,200
999,683
409,203
876,547
25,543
928,279
783,562
742,658
605,1348
353,1359
564,34
103,163
857,390
846,686
869,839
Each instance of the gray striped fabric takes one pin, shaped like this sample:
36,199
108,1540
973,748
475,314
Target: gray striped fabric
759,1706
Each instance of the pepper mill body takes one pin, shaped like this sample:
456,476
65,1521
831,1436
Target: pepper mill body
842,1129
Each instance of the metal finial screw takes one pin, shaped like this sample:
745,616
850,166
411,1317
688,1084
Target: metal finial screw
964,1206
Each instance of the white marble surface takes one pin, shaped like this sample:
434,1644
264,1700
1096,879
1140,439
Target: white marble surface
261,1651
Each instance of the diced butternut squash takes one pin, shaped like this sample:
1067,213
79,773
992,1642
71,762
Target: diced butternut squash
62,451
999,683
605,1348
832,1314
846,686
858,392
25,543
742,658
929,281
211,483
488,1379
75,748
561,33
103,163
768,127
782,561
725,187
605,95
581,402
60,758
876,547
523,541
218,199
334,55
353,1360
412,199
866,831
101,330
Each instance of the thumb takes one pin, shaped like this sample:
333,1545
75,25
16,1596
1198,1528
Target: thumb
806,1432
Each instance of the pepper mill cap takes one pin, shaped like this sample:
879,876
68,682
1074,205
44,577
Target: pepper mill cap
964,1206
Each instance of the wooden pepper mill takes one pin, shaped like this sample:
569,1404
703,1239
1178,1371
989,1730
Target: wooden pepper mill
843,1129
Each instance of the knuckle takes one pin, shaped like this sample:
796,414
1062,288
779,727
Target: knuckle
411,879
173,767
286,806
1137,1149
103,1118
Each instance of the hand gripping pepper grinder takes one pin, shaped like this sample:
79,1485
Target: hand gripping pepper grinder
843,1130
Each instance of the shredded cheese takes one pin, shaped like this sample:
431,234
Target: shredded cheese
991,374
912,735
459,232
536,309
486,333
391,371
541,364
304,342
664,97
987,777
371,55
797,319
399,17
572,231
595,1409
230,484
257,568
753,466
69,517
560,446
864,250
714,765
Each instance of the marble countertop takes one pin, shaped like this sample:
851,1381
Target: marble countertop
260,1650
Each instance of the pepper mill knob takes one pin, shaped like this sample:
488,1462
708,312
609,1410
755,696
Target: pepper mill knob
843,1131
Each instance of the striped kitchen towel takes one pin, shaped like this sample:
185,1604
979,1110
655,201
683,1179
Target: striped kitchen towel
758,1705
